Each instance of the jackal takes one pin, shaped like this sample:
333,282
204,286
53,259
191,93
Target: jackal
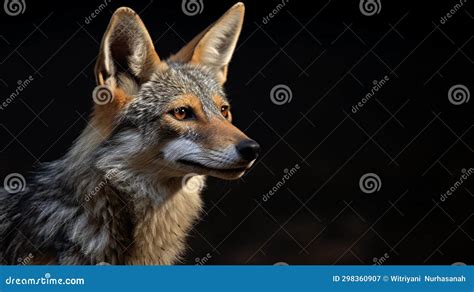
121,194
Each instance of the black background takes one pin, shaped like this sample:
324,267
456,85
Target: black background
328,53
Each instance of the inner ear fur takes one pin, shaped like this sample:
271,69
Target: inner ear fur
214,46
126,51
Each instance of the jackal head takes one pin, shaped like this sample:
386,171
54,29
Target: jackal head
169,117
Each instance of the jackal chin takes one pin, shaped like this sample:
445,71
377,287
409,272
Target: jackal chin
228,172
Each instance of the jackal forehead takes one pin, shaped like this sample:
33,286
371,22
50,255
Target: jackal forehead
183,79
176,81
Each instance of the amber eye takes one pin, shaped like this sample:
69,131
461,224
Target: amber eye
181,113
225,111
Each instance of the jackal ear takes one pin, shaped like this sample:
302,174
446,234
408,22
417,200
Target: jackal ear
126,51
215,45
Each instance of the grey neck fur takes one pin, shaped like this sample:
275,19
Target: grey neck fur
88,216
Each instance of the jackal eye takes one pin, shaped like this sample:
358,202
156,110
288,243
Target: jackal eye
182,113
225,111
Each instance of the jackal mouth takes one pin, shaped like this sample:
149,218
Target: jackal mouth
197,164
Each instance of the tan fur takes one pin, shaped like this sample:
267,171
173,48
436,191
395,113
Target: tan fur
104,115
219,102
189,100
159,235
220,134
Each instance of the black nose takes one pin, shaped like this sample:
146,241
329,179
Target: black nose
248,149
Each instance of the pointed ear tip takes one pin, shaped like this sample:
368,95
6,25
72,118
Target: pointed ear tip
125,11
239,6
237,11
